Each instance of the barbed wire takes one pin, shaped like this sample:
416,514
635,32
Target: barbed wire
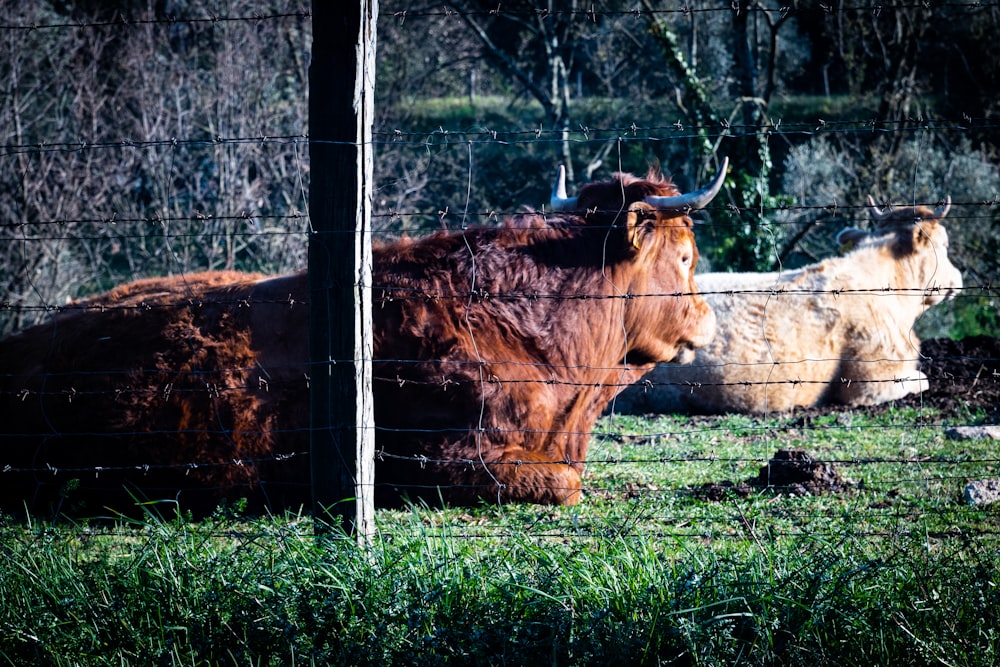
167,389
81,144
538,134
592,14
723,129
94,472
685,527
124,21
419,461
252,221
950,466
182,299
251,217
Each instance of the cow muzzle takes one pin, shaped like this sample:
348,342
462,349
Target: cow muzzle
685,355
701,336
945,292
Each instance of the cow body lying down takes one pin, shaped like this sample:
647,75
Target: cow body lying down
496,349
839,331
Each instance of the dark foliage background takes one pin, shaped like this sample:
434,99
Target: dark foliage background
158,137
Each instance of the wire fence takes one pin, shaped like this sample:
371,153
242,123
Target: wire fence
249,214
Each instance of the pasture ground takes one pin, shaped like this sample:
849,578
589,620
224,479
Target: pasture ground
888,567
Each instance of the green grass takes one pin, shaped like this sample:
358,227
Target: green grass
462,112
896,570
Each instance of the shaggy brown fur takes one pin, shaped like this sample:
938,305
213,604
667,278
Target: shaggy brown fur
840,331
495,352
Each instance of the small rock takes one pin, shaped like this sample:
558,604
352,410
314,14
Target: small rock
982,492
991,432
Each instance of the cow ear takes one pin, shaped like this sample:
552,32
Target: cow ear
641,218
849,237
922,231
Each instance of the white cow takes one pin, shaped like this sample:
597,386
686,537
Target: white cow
840,331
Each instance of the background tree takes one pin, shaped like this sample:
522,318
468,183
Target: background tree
154,138
143,145
743,244
535,47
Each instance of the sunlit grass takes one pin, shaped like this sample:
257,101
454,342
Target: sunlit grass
456,111
894,569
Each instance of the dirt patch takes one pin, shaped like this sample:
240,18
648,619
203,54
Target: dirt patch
962,374
790,471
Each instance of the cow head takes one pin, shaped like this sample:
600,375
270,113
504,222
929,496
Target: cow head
918,242
896,216
651,258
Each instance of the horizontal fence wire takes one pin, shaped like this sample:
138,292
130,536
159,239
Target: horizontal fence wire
916,470
123,22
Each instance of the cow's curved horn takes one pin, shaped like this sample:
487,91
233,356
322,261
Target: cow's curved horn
943,209
878,215
559,200
692,200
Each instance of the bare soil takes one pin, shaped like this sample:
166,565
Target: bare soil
962,374
791,471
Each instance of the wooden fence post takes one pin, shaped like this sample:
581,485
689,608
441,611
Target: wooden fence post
341,106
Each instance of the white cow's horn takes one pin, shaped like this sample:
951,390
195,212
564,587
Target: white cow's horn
877,215
943,209
559,200
692,200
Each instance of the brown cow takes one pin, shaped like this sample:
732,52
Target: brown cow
496,349
840,331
